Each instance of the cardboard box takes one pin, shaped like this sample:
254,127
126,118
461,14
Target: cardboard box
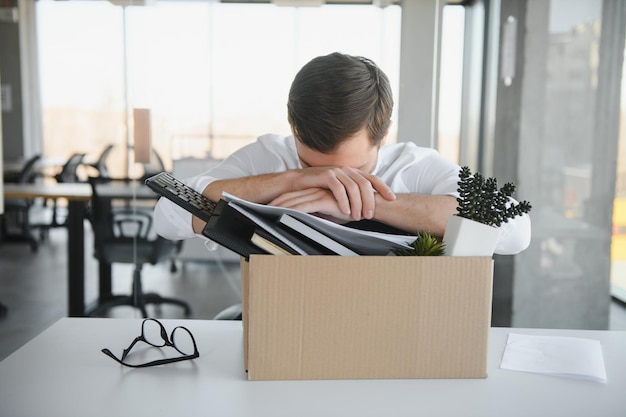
343,317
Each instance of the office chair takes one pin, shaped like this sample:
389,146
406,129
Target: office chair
68,174
26,174
100,165
123,234
69,170
233,312
18,209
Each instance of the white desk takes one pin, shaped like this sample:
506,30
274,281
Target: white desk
63,373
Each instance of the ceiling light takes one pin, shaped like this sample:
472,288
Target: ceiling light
298,3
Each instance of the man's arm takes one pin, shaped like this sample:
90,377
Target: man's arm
409,212
417,212
412,213
258,189
430,213
353,191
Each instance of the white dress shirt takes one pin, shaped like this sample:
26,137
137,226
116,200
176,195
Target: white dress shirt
404,167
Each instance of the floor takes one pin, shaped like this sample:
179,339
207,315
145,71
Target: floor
33,287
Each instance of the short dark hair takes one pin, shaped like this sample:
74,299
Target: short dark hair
334,96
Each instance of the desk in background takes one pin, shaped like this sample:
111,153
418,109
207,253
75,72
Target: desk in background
63,373
78,195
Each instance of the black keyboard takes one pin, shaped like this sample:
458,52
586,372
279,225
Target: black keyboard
180,193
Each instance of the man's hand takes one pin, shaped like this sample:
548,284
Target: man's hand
313,200
353,191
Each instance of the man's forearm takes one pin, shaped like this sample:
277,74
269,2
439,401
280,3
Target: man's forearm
258,189
416,212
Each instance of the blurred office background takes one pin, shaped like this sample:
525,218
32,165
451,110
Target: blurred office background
529,91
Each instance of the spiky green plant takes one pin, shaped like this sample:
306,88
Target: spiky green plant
481,201
424,245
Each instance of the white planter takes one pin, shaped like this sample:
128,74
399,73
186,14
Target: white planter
464,237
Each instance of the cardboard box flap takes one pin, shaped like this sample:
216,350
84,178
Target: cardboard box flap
366,317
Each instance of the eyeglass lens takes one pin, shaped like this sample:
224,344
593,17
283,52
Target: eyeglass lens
154,333
183,341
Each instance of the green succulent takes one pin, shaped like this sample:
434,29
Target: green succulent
424,245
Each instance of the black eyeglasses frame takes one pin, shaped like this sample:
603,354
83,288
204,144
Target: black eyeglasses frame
167,341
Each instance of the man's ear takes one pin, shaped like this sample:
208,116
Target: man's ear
384,140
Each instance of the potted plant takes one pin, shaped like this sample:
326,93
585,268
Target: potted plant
482,208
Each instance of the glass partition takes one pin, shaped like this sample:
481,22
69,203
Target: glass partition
566,158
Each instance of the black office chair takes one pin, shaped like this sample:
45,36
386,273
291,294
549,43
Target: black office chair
68,174
122,234
16,225
69,171
26,174
101,164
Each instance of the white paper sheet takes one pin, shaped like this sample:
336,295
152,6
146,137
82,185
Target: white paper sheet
562,356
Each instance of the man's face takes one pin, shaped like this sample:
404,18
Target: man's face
355,152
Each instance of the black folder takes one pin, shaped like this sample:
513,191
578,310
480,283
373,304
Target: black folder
232,230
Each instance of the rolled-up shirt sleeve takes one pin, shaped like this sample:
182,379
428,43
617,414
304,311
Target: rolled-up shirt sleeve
171,221
514,236
174,222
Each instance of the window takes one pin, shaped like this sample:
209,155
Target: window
215,76
618,241
450,84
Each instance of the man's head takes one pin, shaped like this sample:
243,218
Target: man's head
337,96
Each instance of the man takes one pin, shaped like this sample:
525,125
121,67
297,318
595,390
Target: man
336,164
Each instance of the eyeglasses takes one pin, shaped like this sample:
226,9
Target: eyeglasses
154,334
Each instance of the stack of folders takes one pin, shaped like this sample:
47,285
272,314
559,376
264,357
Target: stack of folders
248,228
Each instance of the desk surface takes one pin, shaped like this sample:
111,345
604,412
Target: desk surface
78,194
63,372
72,191
125,190
78,191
